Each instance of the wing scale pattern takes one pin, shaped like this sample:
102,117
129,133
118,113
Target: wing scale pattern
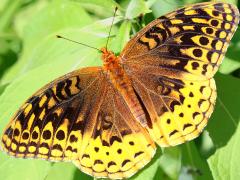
83,118
172,62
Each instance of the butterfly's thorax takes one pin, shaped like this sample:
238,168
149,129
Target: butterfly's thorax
115,71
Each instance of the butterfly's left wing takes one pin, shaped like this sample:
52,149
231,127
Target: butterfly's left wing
172,62
47,125
81,118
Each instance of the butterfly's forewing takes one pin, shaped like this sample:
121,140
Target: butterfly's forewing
172,62
81,118
51,124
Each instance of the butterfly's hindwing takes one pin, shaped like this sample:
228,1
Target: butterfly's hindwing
118,146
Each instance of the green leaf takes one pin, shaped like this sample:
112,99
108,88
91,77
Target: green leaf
3,5
123,36
234,48
136,8
26,14
194,165
10,47
9,11
2,88
160,8
44,25
224,163
22,169
223,123
170,162
229,65
66,171
58,15
99,7
150,2
232,1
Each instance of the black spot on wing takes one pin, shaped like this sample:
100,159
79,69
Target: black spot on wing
173,132
111,163
125,162
115,138
186,126
138,154
98,161
59,89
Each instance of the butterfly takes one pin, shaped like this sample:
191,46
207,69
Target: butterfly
160,90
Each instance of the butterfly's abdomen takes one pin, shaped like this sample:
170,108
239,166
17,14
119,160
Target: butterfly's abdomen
123,84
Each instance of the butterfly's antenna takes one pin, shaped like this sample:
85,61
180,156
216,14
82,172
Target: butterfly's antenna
114,15
58,36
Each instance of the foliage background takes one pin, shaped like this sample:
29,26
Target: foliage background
31,56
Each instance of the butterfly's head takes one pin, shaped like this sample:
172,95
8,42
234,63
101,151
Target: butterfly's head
108,57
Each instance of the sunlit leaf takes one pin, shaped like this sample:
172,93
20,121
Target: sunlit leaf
224,163
135,8
225,117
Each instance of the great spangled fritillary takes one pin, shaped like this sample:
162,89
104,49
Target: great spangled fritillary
106,120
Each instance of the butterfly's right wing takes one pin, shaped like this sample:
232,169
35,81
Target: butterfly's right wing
80,117
172,62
